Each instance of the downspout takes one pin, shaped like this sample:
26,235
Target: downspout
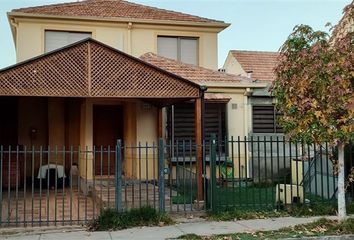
246,119
247,94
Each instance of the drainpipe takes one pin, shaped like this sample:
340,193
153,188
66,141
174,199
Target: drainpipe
246,117
129,42
247,94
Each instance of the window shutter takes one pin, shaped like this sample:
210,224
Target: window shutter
189,51
184,121
263,119
58,39
167,47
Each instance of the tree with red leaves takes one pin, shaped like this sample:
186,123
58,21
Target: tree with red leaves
314,91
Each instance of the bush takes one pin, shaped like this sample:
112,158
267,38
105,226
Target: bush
111,219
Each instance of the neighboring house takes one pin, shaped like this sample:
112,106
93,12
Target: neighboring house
69,90
262,116
259,66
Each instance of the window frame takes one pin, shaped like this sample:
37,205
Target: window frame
63,31
179,38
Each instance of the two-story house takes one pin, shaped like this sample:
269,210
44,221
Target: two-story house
91,72
92,92
259,66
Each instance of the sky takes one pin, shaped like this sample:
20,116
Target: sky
261,25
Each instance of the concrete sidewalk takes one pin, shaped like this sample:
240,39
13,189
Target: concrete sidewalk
200,227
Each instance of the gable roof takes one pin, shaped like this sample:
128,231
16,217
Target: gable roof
113,9
261,64
92,69
199,75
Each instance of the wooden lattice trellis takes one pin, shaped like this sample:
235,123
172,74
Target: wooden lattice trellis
92,69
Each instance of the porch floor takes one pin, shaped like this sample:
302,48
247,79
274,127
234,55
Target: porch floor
70,206
134,194
46,207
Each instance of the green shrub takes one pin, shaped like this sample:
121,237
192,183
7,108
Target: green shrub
111,219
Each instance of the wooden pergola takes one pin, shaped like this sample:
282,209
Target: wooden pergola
91,69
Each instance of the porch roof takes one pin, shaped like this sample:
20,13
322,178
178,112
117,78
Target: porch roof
92,69
197,74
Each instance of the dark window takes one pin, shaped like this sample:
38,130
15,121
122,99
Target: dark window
265,119
184,124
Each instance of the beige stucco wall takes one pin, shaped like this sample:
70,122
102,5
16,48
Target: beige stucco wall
135,39
232,66
238,121
140,125
147,131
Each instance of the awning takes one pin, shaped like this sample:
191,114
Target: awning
92,69
216,98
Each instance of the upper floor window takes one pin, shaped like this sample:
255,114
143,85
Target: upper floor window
183,49
58,39
265,119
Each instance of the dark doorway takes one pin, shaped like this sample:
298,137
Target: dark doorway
8,121
11,162
107,128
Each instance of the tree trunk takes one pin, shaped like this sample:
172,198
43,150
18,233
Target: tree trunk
341,183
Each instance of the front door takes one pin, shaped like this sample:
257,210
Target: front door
107,128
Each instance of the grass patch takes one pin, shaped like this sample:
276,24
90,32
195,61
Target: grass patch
111,219
260,196
322,227
317,209
183,199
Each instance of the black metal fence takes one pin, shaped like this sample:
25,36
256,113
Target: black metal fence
58,185
270,172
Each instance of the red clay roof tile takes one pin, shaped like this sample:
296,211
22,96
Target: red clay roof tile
191,72
113,9
261,64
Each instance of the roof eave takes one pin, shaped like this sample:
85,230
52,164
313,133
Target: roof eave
236,85
12,27
220,25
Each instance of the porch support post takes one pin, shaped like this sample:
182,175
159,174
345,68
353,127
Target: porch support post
160,124
199,102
